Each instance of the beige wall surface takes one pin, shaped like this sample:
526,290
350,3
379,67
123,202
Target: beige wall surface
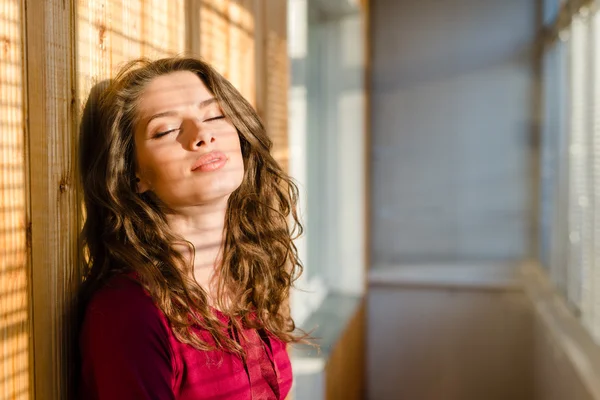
432,343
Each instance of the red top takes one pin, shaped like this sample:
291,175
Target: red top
129,352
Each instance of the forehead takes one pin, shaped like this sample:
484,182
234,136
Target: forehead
171,91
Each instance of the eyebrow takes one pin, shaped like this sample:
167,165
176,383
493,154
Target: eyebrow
170,113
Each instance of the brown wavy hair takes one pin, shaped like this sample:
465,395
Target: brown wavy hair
125,231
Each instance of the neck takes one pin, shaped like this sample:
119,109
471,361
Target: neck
203,227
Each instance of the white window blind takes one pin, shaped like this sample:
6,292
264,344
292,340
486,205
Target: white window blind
570,208
560,129
579,164
591,287
553,98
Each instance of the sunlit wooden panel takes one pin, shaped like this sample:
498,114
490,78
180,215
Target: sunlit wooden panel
276,80
345,370
163,30
214,34
227,41
127,22
112,32
14,306
52,198
242,53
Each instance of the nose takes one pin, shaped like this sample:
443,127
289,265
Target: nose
201,137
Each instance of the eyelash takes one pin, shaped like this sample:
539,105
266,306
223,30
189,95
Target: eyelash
158,135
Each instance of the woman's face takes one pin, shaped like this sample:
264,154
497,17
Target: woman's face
187,152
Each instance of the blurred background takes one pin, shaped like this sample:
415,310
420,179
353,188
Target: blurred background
448,157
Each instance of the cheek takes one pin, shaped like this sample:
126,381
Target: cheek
154,163
230,142
144,163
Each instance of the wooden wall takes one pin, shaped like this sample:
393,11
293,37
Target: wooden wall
345,369
51,53
246,41
14,300
274,73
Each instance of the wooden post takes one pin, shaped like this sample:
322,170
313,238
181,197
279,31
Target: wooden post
53,200
15,327
192,34
275,70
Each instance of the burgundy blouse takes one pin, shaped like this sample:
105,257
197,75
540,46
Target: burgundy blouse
129,352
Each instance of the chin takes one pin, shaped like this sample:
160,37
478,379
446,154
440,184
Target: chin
201,191
216,191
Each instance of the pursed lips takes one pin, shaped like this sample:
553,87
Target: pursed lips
210,161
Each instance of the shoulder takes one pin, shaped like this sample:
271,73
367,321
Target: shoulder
125,344
120,294
124,309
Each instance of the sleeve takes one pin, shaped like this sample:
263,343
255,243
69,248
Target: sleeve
125,348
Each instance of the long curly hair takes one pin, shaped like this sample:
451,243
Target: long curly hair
125,231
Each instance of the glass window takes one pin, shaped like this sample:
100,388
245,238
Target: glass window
551,8
570,178
327,148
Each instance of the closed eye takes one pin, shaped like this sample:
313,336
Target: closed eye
214,118
164,133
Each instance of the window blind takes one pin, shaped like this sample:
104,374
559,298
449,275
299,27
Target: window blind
14,304
579,191
549,152
559,127
592,282
574,228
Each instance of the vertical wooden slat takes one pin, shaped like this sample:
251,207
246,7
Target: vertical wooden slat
14,297
53,198
276,78
260,72
241,45
345,372
94,39
214,34
192,28
227,41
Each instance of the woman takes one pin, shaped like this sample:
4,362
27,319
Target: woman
188,248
